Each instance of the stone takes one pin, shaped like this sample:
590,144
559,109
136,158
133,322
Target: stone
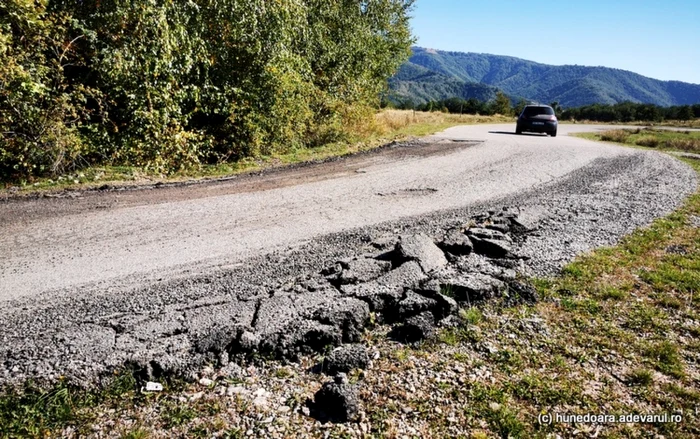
491,248
486,233
456,243
362,270
502,228
412,304
387,290
416,328
519,291
338,401
422,249
471,288
345,359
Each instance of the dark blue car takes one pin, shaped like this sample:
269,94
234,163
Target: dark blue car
537,119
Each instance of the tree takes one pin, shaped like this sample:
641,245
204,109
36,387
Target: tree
519,107
685,113
501,105
167,85
556,107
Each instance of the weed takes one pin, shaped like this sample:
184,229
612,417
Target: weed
176,413
640,377
648,141
666,358
471,315
138,433
619,136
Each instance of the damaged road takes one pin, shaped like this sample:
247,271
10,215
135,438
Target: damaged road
168,286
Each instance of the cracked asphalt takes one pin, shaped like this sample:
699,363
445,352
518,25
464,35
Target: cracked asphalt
167,277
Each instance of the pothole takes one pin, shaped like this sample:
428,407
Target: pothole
411,192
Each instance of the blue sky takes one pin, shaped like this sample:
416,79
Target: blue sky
659,39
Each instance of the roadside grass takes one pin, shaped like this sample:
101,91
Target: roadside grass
616,333
690,124
685,141
389,125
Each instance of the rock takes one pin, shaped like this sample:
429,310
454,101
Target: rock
502,228
411,305
348,314
206,382
345,359
491,248
416,328
422,249
387,290
457,243
485,233
519,226
362,270
444,305
337,400
385,242
519,291
470,288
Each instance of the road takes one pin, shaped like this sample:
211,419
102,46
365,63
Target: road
50,245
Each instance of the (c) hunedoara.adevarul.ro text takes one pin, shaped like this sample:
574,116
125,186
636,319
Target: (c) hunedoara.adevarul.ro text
559,418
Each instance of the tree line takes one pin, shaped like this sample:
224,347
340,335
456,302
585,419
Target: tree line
620,112
167,85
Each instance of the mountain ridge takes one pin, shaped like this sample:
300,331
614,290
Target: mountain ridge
434,75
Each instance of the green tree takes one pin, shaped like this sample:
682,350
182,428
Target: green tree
685,113
501,105
519,107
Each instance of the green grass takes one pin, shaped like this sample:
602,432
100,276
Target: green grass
685,140
33,411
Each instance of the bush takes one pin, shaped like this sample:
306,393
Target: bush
692,145
171,85
40,112
648,141
619,136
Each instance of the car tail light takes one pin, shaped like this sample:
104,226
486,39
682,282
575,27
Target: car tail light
553,117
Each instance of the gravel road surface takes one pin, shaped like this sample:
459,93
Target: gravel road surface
92,280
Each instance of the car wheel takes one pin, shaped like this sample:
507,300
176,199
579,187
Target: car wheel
518,131
554,134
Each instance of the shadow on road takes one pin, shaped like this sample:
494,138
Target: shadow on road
511,133
503,132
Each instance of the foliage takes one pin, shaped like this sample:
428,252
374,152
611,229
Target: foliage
171,85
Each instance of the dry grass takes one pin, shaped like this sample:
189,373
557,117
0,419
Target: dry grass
688,141
692,144
396,120
619,136
648,141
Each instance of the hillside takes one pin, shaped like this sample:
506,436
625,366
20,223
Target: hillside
434,75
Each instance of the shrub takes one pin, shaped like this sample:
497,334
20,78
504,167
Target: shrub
649,141
171,85
619,136
684,144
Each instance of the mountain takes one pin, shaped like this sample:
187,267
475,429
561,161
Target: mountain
434,75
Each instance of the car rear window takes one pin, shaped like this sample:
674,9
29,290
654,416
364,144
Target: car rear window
535,111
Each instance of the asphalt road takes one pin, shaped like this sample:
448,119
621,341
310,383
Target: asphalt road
51,245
